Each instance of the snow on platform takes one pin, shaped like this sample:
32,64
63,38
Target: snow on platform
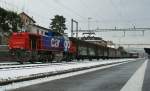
13,74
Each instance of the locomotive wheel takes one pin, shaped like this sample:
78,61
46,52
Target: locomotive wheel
50,58
31,61
20,62
18,55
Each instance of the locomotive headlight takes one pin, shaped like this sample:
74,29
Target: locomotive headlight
68,45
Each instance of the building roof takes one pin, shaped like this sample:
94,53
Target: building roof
40,27
55,33
23,13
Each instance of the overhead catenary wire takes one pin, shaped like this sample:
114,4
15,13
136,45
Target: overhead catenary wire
93,9
119,11
116,8
46,4
10,6
69,9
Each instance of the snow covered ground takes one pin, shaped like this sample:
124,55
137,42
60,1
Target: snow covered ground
13,74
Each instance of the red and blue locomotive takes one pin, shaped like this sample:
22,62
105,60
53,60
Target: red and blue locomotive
26,46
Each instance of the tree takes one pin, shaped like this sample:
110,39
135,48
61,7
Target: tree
58,24
9,21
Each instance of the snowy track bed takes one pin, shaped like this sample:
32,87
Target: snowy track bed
13,65
8,63
44,70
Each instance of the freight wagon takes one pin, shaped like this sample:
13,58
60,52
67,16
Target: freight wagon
88,50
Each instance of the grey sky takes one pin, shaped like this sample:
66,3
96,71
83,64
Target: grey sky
103,13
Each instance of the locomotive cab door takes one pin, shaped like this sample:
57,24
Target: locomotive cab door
33,42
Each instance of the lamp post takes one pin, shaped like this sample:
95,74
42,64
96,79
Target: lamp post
89,18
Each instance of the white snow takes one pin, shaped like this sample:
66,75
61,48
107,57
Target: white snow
51,78
12,74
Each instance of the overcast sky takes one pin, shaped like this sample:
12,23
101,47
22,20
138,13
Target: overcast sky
102,13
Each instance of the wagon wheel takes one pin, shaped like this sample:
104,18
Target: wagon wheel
50,58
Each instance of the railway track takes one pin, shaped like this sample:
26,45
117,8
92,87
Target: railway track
17,66
8,63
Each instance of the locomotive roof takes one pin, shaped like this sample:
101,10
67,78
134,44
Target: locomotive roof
25,33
